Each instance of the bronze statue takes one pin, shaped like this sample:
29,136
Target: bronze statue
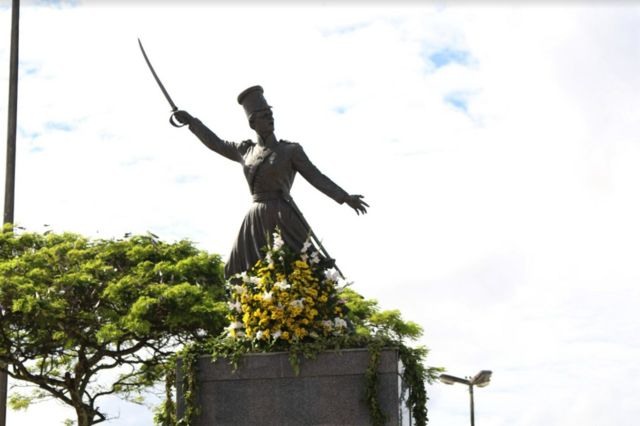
270,166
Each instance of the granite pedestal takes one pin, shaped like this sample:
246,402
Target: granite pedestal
265,391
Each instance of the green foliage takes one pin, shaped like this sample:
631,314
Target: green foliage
165,414
371,385
71,307
18,401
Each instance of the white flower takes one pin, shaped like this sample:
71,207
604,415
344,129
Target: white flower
235,306
304,257
314,335
306,246
268,258
259,335
267,296
238,289
327,324
315,257
282,285
277,334
277,241
344,283
235,325
332,275
339,322
298,303
254,280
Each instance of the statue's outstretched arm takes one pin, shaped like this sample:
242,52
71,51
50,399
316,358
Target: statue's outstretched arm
311,173
207,137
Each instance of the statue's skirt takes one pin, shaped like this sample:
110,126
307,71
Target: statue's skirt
257,230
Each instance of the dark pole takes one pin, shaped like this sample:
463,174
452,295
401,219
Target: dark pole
10,181
473,421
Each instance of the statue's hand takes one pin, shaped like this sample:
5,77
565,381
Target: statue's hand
182,117
357,203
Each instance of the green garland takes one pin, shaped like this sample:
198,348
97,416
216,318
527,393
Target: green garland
413,379
189,359
371,386
166,413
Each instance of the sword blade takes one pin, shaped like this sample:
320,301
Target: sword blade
316,240
155,76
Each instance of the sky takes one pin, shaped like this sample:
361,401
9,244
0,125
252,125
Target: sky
496,143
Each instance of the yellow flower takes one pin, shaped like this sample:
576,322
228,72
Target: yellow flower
301,264
299,332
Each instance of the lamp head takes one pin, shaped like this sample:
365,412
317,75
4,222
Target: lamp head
482,379
449,380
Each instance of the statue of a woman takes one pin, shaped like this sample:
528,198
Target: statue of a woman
270,165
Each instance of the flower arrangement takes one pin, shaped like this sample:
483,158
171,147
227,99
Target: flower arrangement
286,298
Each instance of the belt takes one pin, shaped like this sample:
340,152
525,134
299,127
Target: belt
270,195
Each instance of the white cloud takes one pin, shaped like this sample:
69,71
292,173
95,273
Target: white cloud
510,232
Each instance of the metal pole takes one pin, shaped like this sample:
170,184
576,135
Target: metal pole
473,421
9,192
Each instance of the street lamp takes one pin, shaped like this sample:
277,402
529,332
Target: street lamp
481,380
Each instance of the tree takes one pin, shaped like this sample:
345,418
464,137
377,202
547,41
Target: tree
72,308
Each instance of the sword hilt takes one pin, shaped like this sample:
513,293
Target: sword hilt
174,122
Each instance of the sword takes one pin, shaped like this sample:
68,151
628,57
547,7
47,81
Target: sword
324,252
174,108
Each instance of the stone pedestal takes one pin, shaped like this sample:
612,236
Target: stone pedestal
265,391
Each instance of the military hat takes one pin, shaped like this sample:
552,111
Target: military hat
252,100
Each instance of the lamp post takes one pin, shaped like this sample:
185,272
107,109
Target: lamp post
11,161
481,380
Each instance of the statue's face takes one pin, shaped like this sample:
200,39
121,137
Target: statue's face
262,121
